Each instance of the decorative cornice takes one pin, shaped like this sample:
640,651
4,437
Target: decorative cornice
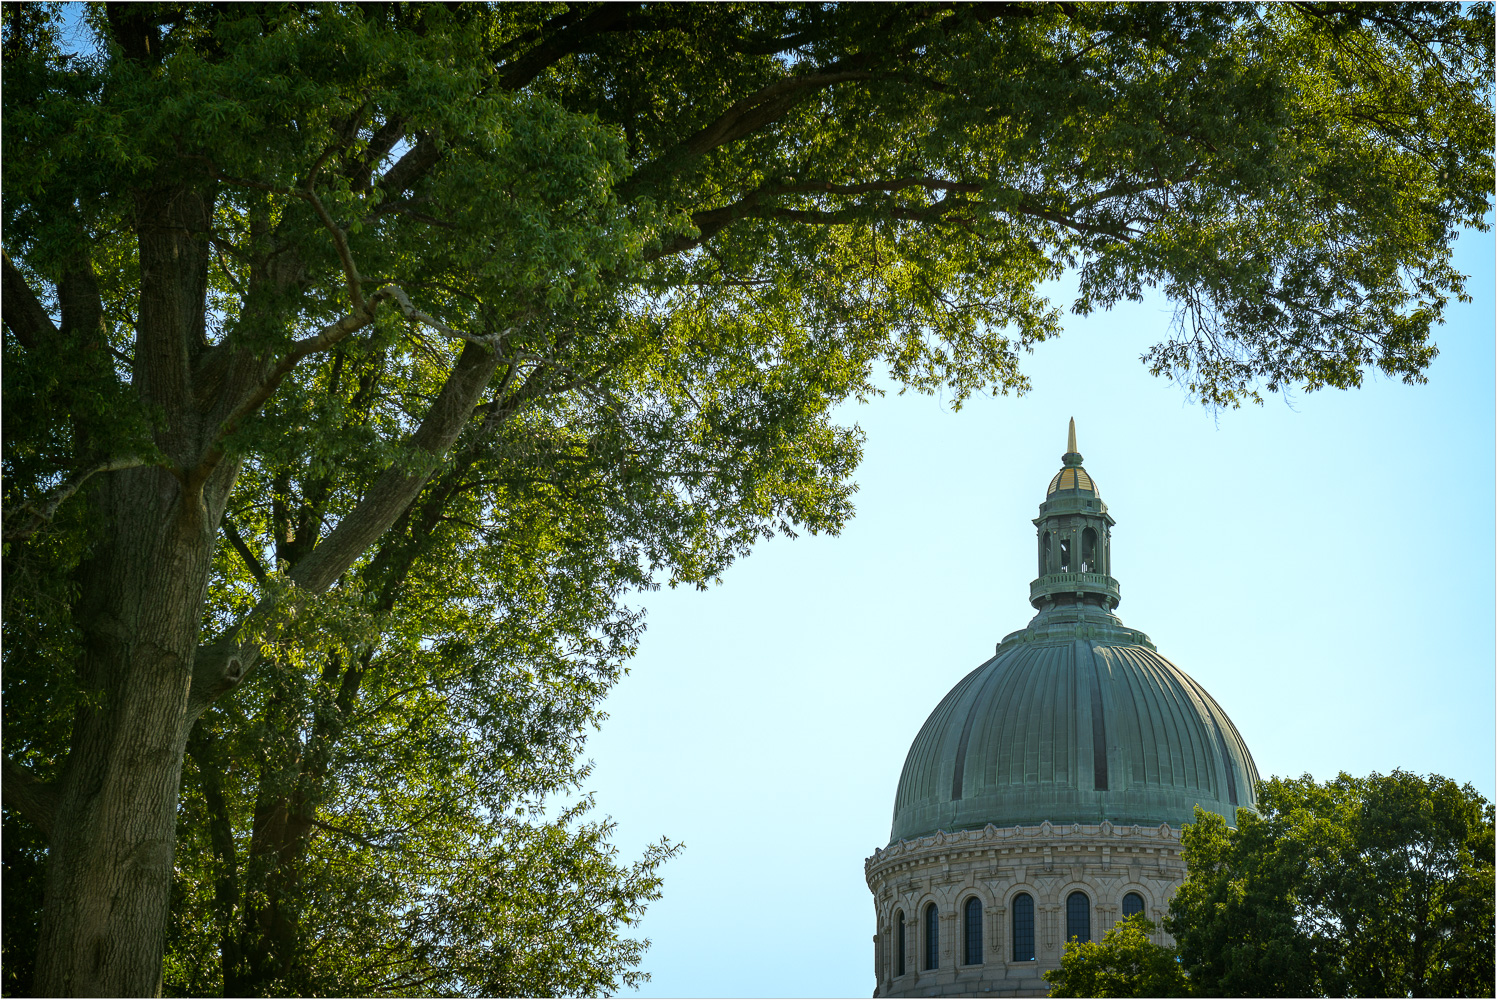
990,836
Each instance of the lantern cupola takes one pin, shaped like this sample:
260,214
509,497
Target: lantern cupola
1074,534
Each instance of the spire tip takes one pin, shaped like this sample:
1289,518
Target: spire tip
1071,440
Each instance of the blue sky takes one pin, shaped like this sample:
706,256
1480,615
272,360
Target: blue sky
1322,564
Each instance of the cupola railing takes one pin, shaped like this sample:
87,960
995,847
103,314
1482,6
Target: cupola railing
1054,584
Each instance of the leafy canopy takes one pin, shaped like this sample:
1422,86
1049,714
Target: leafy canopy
1125,963
1376,886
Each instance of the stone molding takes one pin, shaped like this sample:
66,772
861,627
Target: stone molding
1161,837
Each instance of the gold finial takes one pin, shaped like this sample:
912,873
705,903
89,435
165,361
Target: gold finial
1071,441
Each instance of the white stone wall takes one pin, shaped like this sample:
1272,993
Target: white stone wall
1049,862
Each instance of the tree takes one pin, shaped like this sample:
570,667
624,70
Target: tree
1376,886
294,296
1125,963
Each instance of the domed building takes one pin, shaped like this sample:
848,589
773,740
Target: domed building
1043,798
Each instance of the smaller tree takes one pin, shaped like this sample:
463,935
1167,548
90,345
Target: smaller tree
1376,886
1125,963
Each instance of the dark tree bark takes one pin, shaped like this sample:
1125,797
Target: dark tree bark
108,880
109,870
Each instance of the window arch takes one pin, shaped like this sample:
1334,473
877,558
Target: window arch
972,926
1089,551
898,942
1044,552
1078,917
932,937
1132,903
1023,927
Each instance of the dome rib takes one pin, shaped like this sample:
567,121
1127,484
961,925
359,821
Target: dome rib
1017,764
959,769
1221,725
1213,740
1098,722
1133,737
923,757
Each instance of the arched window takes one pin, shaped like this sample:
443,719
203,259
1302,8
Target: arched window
972,951
899,942
1132,903
932,937
1089,551
1065,555
1044,552
1023,927
1078,917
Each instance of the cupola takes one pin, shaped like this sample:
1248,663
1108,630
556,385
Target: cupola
1074,535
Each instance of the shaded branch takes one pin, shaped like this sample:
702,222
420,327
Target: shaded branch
329,336
380,144
564,42
357,838
43,514
772,102
221,834
35,800
744,117
23,312
412,166
754,206
221,666
250,562
340,241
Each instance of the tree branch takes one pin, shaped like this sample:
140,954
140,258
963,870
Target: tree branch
753,205
327,337
380,145
43,514
744,117
397,486
220,667
358,838
350,272
35,800
411,167
566,41
250,562
23,312
221,834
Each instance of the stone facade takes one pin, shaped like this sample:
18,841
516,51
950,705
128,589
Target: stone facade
1103,861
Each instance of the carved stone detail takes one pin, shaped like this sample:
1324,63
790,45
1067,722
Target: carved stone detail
995,864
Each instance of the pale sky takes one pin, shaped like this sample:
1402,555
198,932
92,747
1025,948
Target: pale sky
1323,565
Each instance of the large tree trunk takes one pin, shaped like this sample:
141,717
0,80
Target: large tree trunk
109,873
109,869
109,865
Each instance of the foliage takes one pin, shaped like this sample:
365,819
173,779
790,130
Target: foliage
1376,886
362,361
1125,963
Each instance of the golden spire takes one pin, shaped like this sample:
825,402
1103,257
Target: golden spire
1071,441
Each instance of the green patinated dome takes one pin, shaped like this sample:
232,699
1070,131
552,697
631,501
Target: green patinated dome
1076,718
